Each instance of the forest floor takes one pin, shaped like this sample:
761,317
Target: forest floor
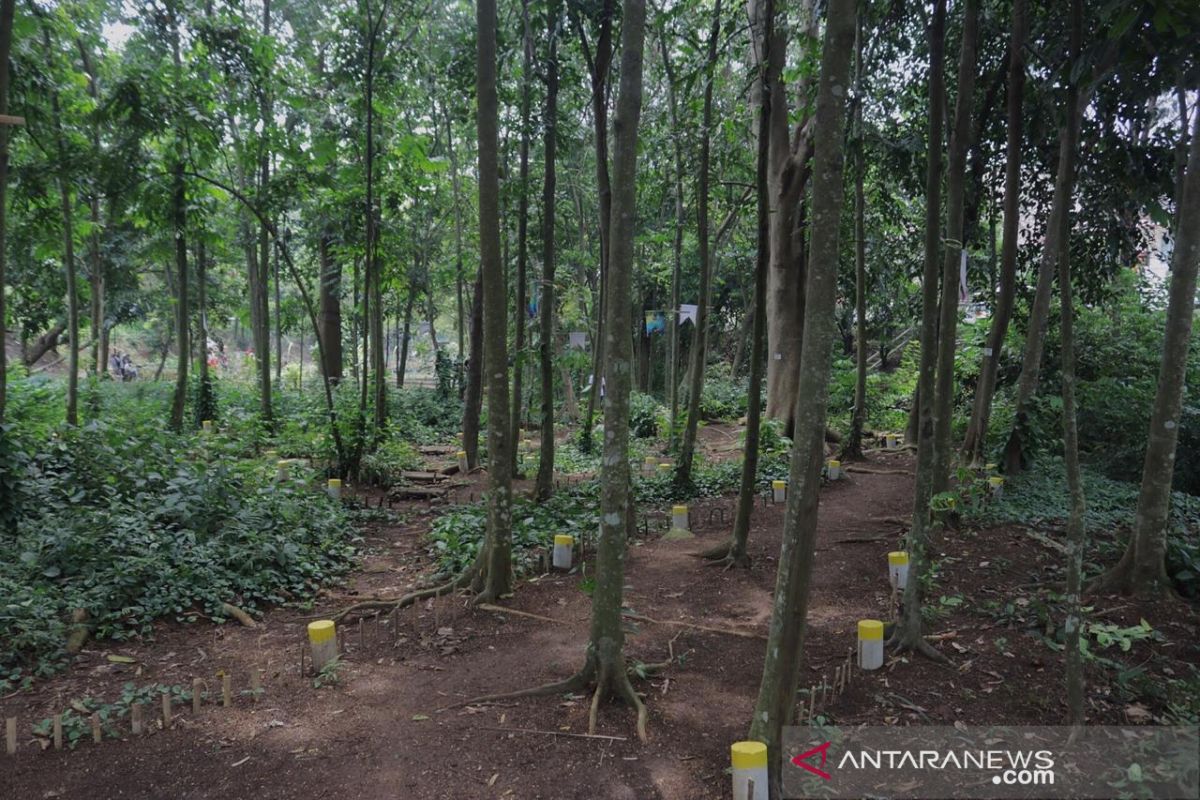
388,728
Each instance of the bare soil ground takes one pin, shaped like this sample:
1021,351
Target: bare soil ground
387,729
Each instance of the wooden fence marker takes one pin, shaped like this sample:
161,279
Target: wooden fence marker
135,718
166,710
10,735
226,690
197,697
97,733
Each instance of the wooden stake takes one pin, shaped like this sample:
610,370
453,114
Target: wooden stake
362,642
166,710
226,690
824,691
10,735
749,789
135,718
812,702
197,698
58,731
97,733
437,615
255,684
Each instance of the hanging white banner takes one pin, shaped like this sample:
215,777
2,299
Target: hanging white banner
578,339
687,313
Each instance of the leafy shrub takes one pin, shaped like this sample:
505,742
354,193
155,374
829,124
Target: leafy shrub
645,416
133,526
388,460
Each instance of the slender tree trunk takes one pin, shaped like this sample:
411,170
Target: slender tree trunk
6,25
278,319
330,303
853,446
985,389
673,326
402,361
599,68
202,318
785,646
955,247
374,287
545,473
95,268
1076,535
1142,569
68,234
495,576
734,554
522,233
908,632
473,395
261,286
683,476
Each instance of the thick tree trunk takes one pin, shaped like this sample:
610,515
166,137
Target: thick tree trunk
605,651
1142,569
330,303
683,475
260,290
545,474
68,233
6,25
495,576
182,310
955,247
785,279
908,632
673,327
374,281
785,646
473,396
985,389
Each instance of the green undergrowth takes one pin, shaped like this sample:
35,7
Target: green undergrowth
1039,498
132,526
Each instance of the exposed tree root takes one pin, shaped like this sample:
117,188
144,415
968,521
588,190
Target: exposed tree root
575,683
241,616
457,583
724,555
1120,580
902,643
868,471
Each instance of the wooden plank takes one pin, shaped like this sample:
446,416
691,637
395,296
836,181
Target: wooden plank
421,477
8,119
417,492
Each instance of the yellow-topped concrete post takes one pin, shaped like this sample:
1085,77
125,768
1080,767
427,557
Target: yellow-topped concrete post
749,762
870,644
322,642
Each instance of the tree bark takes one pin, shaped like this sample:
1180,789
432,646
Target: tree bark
605,652
495,576
6,25
260,285
473,396
785,646
179,230
545,475
853,446
985,389
68,233
673,327
683,475
598,67
955,247
1142,569
908,630
522,300
330,303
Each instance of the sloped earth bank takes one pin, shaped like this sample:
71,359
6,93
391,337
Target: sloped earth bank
385,729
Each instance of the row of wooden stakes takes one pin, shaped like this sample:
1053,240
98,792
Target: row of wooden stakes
841,679
137,712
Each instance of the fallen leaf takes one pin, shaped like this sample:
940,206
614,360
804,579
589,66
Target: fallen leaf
122,659
492,780
420,717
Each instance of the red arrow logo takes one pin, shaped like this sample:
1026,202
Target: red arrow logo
801,760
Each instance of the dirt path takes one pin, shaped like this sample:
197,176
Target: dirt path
382,731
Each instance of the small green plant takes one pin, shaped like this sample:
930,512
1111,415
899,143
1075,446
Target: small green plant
328,675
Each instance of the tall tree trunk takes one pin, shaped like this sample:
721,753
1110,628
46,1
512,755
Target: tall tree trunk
68,232
6,25
545,473
985,389
374,280
278,319
734,554
606,640
95,268
402,360
473,395
908,632
785,278
781,668
696,376
495,576
330,303
1076,535
260,285
1142,569
853,445
202,320
522,303
955,248
179,230
673,326
598,67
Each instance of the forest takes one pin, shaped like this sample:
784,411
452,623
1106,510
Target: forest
596,398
